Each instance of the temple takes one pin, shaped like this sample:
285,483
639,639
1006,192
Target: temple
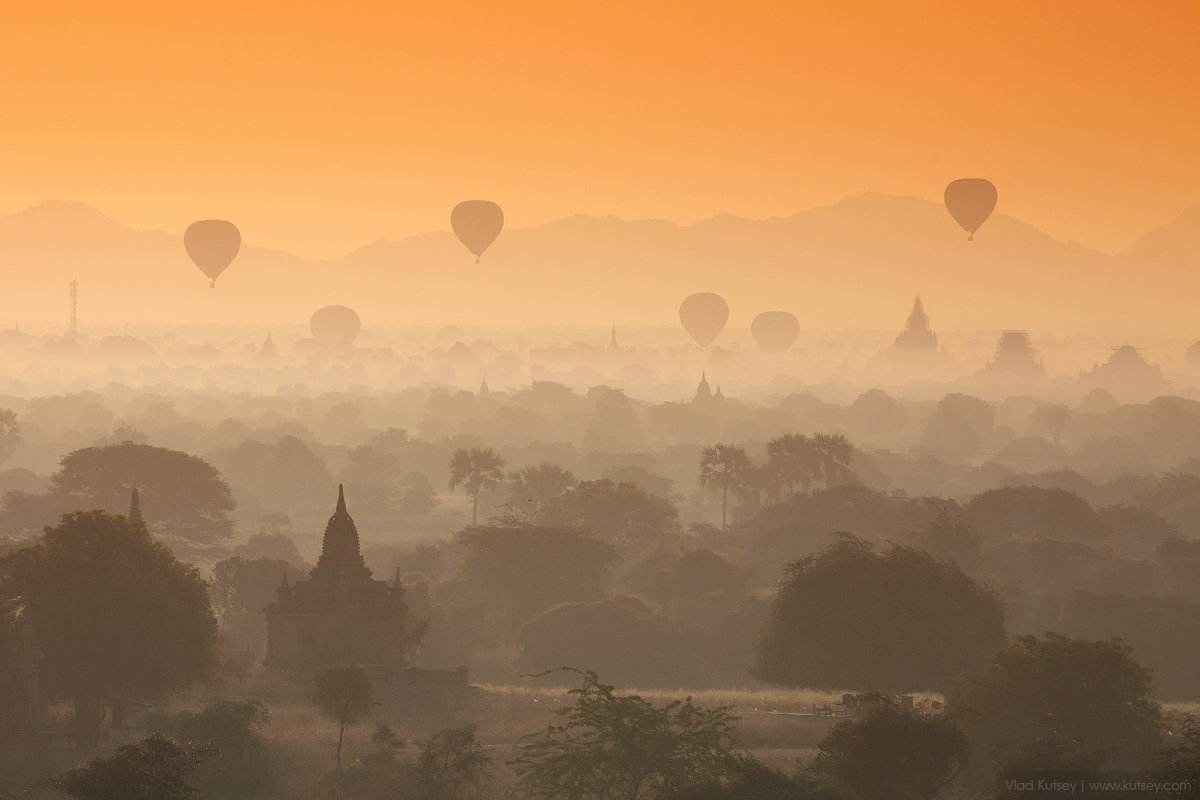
917,336
340,613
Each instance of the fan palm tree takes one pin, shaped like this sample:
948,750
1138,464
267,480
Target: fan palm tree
835,453
724,467
475,470
795,460
539,484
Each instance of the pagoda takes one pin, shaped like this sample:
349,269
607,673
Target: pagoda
340,613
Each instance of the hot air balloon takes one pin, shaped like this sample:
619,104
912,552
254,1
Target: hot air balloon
477,223
775,331
704,315
212,244
335,325
970,201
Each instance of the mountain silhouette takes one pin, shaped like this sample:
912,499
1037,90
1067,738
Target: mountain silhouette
853,264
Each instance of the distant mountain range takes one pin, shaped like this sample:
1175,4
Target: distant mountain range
854,264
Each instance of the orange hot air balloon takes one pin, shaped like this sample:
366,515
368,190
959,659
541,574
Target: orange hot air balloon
212,245
704,315
477,223
970,201
335,325
775,331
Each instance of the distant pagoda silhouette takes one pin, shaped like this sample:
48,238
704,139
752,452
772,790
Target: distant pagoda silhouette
1015,358
917,336
1126,372
613,347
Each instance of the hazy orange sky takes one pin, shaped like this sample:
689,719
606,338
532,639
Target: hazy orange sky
320,126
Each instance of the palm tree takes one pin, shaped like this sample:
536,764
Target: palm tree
724,467
835,453
539,484
795,460
475,470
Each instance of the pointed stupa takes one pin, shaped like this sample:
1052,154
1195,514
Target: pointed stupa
484,391
341,557
703,390
135,512
917,334
268,349
613,347
718,394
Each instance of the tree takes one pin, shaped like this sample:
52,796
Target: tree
794,459
183,496
896,621
343,694
620,635
538,485
476,470
622,513
893,752
452,765
622,747
518,570
834,453
381,774
10,435
1052,418
1091,694
723,467
950,537
241,588
234,763
118,617
155,768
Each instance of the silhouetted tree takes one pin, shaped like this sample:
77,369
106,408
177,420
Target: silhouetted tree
1052,418
795,460
10,435
452,765
118,617
182,495
893,752
538,485
850,617
519,570
343,694
622,513
1091,694
476,470
155,768
723,467
622,747
619,635
240,589
834,453
234,762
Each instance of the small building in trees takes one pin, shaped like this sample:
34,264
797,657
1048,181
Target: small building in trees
340,613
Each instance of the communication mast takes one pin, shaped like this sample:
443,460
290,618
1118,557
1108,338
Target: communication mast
74,309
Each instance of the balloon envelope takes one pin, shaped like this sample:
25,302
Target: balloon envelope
477,223
970,201
335,324
212,244
775,331
704,315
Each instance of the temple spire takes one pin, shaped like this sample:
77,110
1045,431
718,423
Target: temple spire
341,557
135,511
